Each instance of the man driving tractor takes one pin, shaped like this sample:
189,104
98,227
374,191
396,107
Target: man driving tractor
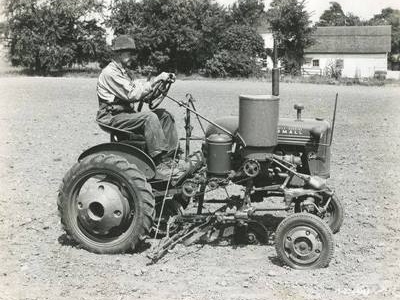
117,92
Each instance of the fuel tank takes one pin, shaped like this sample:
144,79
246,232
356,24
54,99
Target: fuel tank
258,121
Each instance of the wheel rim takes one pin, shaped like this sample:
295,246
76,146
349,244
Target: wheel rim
102,209
303,245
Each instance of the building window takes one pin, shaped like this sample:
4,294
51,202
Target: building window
308,60
315,63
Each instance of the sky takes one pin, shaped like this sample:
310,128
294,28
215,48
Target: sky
365,9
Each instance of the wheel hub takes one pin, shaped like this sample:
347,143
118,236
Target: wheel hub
303,245
102,207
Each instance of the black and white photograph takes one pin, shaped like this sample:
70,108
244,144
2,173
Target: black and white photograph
199,149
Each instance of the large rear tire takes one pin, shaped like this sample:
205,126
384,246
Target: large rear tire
304,241
105,204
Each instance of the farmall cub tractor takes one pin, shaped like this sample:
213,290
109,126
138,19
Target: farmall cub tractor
112,198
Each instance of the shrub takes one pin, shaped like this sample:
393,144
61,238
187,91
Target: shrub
333,69
231,63
242,38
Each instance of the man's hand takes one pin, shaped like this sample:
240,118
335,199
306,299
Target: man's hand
164,76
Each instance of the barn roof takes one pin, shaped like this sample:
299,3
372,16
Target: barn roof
351,39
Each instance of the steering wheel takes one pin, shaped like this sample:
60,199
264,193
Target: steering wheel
157,95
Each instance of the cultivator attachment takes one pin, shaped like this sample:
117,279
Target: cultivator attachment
303,240
189,234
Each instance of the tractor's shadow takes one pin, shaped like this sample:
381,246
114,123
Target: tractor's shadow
67,241
262,228
238,237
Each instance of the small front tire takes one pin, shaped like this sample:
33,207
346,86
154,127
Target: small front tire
304,241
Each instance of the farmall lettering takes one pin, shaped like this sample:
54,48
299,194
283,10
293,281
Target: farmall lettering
290,131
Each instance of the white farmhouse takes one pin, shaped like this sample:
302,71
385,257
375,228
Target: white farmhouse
358,51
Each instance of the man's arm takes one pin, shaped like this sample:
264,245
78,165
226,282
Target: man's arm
125,89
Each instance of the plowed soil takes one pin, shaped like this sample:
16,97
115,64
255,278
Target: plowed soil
45,123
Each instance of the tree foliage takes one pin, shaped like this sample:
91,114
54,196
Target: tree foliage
389,16
181,35
51,34
230,63
247,12
171,34
334,16
291,27
238,49
242,38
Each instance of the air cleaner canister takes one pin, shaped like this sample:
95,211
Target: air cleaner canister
219,149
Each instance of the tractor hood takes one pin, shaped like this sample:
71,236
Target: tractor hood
290,131
293,131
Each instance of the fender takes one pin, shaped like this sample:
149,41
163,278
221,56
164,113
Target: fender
132,154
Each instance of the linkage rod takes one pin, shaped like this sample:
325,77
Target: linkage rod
180,103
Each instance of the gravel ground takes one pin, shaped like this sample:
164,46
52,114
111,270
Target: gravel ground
46,122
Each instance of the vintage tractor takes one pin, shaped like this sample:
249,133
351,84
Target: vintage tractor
112,199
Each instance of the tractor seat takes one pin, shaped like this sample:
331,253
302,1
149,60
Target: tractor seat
124,136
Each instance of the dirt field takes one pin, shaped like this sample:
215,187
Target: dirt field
46,122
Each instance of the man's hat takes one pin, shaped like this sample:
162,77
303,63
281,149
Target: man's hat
123,42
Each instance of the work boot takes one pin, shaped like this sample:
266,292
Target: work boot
166,168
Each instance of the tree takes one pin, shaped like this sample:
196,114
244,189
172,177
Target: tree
239,48
247,12
334,16
353,20
242,38
291,27
47,35
182,35
389,16
171,34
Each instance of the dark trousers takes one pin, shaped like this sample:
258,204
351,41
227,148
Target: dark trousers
158,127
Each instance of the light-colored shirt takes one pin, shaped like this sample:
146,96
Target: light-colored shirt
114,82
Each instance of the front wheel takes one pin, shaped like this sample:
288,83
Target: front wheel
334,214
105,204
303,241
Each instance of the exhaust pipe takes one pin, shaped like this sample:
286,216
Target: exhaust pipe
275,71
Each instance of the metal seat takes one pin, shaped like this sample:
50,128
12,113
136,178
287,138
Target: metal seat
124,136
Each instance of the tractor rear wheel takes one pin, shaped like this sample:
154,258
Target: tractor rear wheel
304,241
105,204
